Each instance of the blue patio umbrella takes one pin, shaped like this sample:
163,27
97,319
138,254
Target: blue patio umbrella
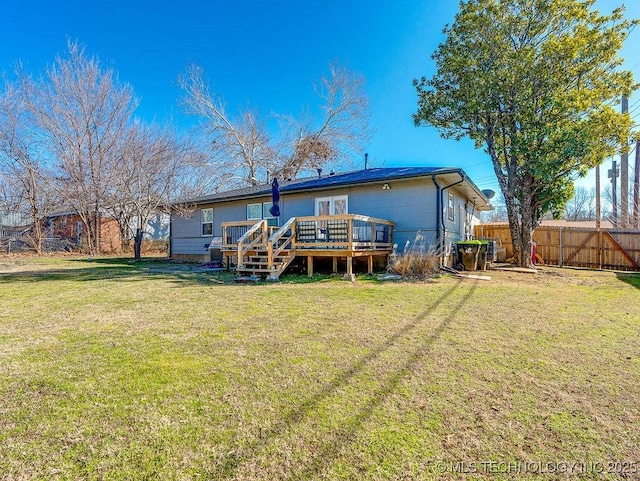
275,194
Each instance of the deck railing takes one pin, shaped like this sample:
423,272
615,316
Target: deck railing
348,231
232,231
255,238
281,240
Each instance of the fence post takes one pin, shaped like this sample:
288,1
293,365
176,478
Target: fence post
560,251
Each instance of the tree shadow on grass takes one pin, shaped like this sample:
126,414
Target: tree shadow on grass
321,459
126,269
633,279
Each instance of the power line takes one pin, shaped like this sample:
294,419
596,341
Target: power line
634,67
632,111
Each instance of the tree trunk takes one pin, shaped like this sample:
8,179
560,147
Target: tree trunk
33,193
528,222
520,214
521,225
124,230
526,242
514,225
37,233
93,234
137,245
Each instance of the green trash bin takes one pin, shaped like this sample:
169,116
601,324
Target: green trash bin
472,254
482,255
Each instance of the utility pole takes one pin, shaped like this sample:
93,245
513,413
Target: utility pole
613,175
598,197
624,174
598,214
636,188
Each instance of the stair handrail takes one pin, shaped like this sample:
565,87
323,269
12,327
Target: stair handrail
242,248
277,236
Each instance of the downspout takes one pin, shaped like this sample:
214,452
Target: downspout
473,211
170,250
440,207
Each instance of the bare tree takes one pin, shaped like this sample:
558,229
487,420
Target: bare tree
240,144
152,170
498,213
341,130
11,196
247,152
81,110
22,167
582,205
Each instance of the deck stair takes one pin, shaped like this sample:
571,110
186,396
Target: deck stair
270,257
257,263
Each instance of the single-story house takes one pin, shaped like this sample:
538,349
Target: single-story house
360,213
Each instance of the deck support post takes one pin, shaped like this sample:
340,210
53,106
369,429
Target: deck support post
335,264
349,275
370,264
310,266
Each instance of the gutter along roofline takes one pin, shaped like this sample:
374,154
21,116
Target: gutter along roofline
347,179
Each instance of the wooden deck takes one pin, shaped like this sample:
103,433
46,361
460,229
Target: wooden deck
263,250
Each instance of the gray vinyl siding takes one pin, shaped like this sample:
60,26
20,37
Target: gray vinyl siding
296,205
453,231
186,231
185,234
410,204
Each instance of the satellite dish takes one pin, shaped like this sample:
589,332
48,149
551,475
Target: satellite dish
488,193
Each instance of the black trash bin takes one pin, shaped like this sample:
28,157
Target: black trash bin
482,255
472,254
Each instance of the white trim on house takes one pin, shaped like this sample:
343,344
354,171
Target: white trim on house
334,205
206,219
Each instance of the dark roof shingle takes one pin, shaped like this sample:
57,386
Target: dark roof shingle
366,176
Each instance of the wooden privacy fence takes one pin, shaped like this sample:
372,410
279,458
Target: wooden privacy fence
575,246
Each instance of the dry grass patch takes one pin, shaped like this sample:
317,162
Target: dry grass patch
418,260
131,372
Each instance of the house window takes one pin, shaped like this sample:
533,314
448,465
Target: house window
450,208
271,220
260,210
254,211
207,222
335,205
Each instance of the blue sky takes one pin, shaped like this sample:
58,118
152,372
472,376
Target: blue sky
267,55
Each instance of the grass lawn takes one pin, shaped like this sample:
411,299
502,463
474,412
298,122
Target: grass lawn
111,370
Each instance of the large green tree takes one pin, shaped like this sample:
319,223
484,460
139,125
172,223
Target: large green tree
536,83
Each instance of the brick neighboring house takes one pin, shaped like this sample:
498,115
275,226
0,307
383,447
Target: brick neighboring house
69,228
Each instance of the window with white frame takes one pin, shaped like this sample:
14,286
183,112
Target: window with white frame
254,211
334,205
265,210
260,210
206,217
